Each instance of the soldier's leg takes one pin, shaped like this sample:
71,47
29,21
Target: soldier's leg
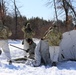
7,51
1,44
26,46
0,51
37,61
55,56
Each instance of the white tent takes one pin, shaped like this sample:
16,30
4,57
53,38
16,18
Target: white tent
68,46
54,53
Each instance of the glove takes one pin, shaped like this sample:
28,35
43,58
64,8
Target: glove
10,62
0,52
27,50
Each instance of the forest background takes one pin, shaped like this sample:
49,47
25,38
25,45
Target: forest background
15,20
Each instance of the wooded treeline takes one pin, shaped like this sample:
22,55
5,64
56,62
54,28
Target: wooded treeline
15,21
38,25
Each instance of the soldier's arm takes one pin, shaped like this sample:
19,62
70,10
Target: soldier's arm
9,32
32,48
27,50
23,29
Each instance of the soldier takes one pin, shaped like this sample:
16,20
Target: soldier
42,55
4,34
28,33
31,49
53,37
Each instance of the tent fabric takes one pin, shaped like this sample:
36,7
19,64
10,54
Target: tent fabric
42,52
26,46
54,53
5,48
68,46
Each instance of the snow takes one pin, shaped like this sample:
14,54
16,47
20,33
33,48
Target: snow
63,68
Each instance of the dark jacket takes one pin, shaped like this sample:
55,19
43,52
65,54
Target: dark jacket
31,50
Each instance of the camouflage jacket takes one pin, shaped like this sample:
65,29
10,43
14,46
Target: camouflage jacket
31,50
5,32
53,37
27,33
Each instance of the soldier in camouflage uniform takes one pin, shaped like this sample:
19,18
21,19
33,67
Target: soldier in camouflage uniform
42,55
31,49
53,37
28,33
4,34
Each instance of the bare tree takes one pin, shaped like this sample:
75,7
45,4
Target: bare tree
15,19
55,10
66,6
2,11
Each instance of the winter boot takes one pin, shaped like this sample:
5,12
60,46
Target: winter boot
10,62
54,64
0,52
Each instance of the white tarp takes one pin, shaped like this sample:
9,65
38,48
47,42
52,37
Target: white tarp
54,53
4,46
68,46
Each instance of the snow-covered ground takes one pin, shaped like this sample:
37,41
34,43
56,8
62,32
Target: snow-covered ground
63,68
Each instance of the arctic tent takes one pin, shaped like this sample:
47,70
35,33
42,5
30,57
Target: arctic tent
68,46
54,53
